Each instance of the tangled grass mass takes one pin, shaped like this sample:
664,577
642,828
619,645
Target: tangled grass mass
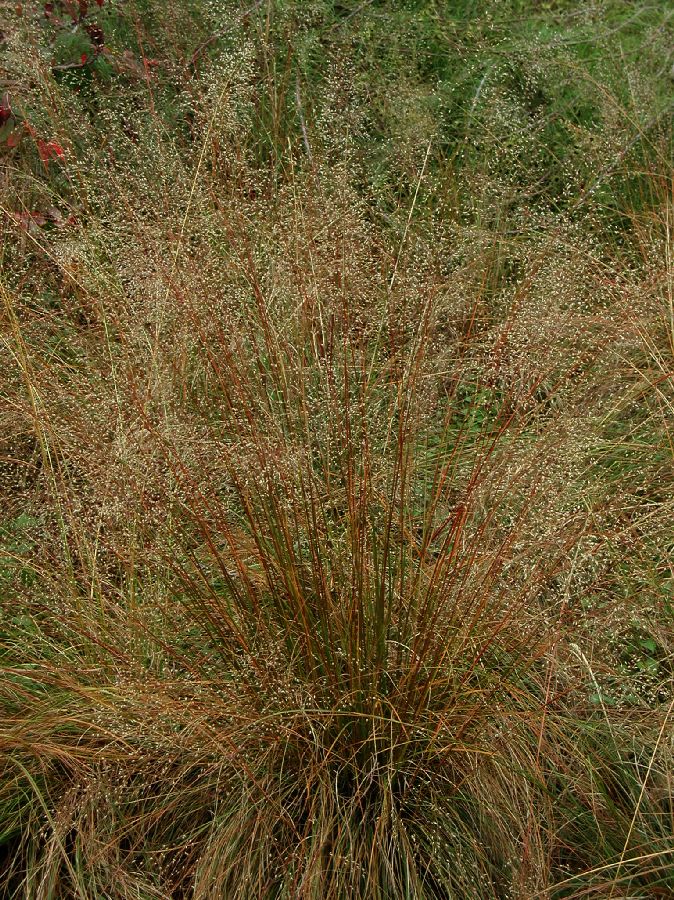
336,442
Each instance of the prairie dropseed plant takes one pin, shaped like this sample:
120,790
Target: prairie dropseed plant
336,559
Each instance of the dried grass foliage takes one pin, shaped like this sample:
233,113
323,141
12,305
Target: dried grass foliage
328,551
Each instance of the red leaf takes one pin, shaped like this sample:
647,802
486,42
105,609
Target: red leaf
14,139
48,150
5,109
43,152
30,221
56,150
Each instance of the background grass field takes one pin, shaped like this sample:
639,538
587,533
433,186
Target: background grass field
336,438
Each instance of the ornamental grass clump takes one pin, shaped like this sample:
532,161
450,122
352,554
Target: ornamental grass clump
335,554
321,649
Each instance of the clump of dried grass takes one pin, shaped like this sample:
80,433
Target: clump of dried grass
318,547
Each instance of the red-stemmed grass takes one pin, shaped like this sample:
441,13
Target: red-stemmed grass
329,523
